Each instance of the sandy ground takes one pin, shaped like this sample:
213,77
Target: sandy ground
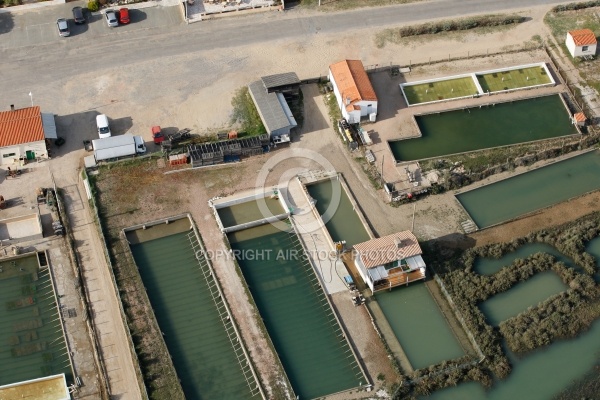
203,103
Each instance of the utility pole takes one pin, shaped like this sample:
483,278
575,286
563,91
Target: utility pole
382,181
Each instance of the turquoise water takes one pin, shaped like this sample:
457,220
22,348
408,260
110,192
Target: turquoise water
419,325
542,187
489,266
485,127
539,375
593,248
195,335
316,358
31,339
518,298
344,224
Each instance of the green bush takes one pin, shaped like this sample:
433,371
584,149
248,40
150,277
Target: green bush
576,6
460,25
245,113
93,5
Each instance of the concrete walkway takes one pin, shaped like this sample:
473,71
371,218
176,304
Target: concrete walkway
104,302
316,240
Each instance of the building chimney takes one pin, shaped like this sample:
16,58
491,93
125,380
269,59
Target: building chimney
347,101
398,242
12,107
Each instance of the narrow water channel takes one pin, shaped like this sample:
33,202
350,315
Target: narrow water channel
489,266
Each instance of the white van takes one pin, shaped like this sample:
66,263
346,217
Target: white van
103,128
140,147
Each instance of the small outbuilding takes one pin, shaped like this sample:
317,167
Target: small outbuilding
23,134
355,95
390,261
581,43
272,106
579,119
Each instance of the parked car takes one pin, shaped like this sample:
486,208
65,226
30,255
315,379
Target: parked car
157,135
111,18
78,15
63,27
103,127
124,15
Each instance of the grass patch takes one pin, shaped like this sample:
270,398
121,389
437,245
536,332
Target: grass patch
439,90
515,79
245,113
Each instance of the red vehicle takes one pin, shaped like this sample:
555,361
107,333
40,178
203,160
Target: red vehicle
157,135
124,16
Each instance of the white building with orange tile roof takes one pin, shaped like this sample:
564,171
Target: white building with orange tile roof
355,95
23,134
390,261
581,42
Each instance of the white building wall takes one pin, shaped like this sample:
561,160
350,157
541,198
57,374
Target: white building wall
362,270
577,51
354,116
10,155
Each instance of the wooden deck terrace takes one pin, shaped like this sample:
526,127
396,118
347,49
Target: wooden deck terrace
399,279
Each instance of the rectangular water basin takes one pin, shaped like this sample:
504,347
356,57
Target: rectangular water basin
486,126
301,324
338,213
32,343
419,325
186,302
510,198
518,298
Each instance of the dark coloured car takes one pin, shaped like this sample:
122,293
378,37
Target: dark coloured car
78,15
124,16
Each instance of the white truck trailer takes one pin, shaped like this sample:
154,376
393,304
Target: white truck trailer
116,147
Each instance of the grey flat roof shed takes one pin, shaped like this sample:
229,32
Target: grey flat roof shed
274,112
281,82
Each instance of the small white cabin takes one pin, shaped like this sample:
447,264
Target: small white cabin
581,43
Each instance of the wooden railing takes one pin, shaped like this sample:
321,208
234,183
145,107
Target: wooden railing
399,279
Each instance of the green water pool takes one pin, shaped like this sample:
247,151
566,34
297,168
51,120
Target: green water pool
317,359
195,335
31,338
518,298
248,211
419,325
342,222
542,187
485,127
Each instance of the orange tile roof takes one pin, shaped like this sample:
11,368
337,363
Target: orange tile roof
583,37
381,251
353,82
579,117
21,126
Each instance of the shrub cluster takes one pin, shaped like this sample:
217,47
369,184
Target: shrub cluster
460,25
93,5
576,6
562,316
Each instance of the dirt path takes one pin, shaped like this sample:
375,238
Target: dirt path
118,364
